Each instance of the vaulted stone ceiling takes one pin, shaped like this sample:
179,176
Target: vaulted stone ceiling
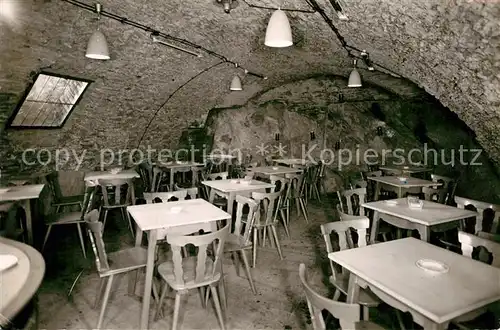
448,47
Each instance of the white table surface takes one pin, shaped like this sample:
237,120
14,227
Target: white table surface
159,215
173,165
229,185
18,193
431,213
292,161
405,168
410,182
20,282
99,175
390,267
275,170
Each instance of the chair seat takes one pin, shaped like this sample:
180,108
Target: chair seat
366,297
69,200
126,260
166,270
220,201
367,325
64,218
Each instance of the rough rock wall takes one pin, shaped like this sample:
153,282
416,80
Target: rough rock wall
295,109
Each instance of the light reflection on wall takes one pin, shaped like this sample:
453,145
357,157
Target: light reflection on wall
10,11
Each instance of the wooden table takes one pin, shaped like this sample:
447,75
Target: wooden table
410,169
400,186
154,217
389,270
275,170
438,217
292,161
231,188
175,166
24,194
222,160
91,178
19,283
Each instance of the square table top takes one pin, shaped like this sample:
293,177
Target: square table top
159,215
405,168
292,161
18,193
232,185
410,181
99,175
430,214
179,164
391,267
275,170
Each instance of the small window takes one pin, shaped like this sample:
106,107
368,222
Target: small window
48,102
338,7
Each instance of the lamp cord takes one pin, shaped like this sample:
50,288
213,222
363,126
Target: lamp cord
172,94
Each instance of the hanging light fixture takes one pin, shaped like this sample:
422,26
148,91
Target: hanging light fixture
236,84
279,32
97,48
354,78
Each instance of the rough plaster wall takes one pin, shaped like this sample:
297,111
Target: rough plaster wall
297,108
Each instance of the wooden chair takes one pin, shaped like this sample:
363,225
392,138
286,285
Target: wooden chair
296,192
221,199
112,264
448,184
370,189
58,199
283,207
437,195
488,215
347,314
145,171
320,178
160,180
353,198
114,197
184,273
239,240
340,280
264,220
69,218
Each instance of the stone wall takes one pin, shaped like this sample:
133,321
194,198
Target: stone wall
298,108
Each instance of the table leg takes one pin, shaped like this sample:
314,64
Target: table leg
425,232
353,290
400,192
172,171
374,231
148,280
377,191
26,205
230,202
132,279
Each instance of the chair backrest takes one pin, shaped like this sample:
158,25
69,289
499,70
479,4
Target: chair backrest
437,195
53,184
347,314
344,232
160,197
359,184
468,242
95,229
197,172
373,174
202,273
487,214
191,192
268,203
217,176
353,199
158,174
241,229
146,173
279,181
448,184
121,196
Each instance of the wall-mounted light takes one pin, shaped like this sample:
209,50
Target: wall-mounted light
97,47
279,32
312,135
337,145
227,5
354,77
277,136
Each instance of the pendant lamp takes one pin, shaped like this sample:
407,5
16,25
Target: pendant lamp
354,78
279,32
236,84
97,47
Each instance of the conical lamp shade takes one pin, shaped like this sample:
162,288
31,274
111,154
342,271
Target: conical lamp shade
279,32
236,84
354,79
97,48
